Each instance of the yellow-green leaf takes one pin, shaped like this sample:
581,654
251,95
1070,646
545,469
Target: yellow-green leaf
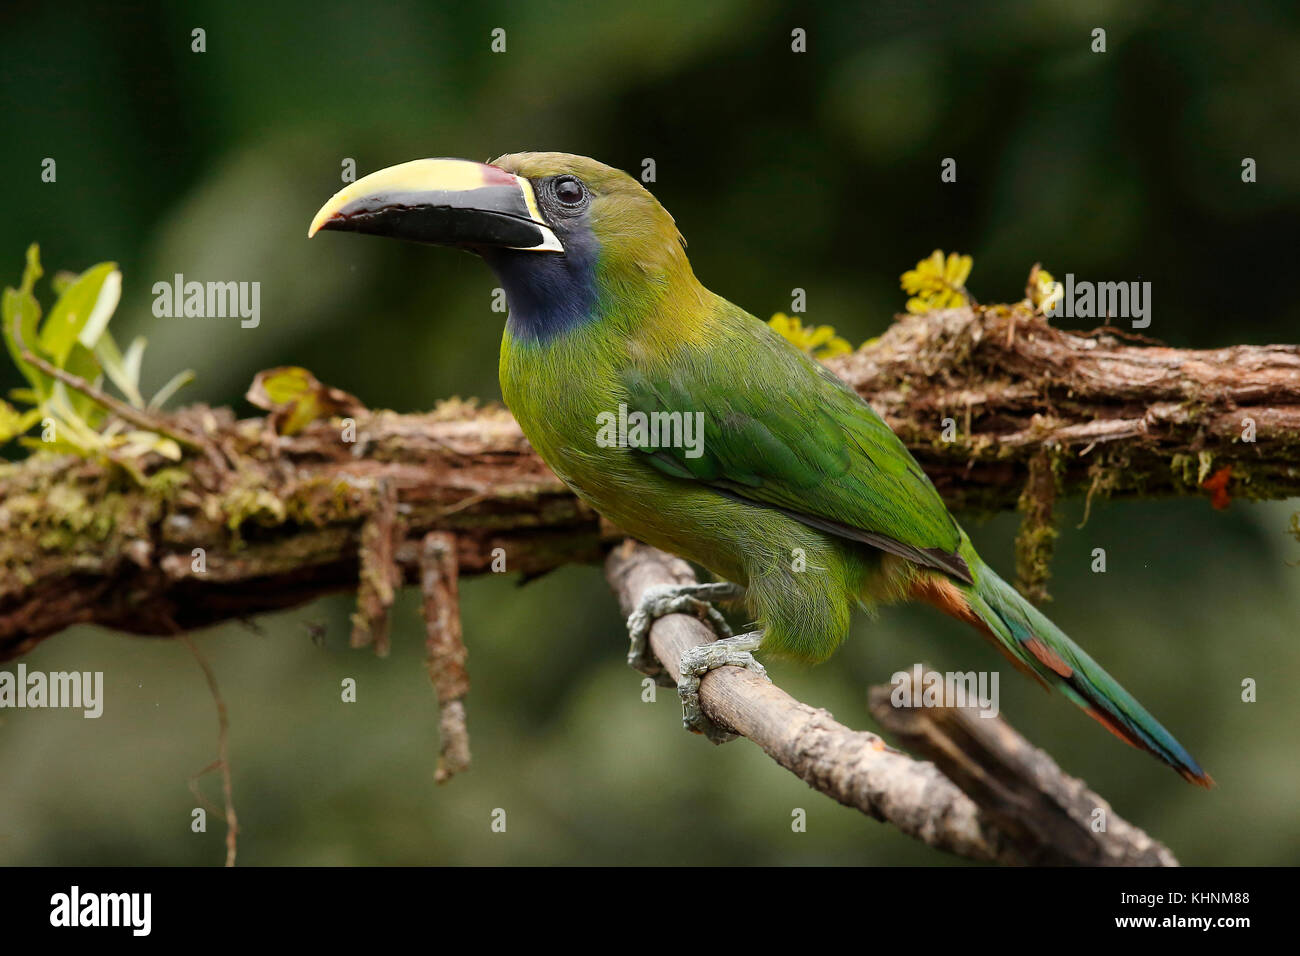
14,423
125,376
139,443
92,297
174,385
295,398
20,311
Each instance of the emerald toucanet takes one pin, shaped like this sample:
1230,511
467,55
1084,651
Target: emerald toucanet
606,320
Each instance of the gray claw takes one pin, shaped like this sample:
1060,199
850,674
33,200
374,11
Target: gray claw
698,661
664,599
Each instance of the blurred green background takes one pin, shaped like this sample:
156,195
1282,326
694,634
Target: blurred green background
816,170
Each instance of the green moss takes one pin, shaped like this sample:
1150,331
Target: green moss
166,483
1036,539
319,502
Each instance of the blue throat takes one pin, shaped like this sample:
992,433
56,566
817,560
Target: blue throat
548,294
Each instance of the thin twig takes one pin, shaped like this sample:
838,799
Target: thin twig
223,751
154,423
119,408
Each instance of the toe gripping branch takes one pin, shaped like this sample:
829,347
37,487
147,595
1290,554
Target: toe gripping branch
728,650
665,599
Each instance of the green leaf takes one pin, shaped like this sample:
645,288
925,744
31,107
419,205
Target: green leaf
69,424
110,293
32,269
14,423
125,377
133,359
139,443
86,307
20,311
174,384
287,384
295,398
82,363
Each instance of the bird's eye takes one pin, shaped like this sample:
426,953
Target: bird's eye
569,191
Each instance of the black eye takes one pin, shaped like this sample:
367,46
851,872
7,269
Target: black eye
569,191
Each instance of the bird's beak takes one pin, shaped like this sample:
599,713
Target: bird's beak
448,202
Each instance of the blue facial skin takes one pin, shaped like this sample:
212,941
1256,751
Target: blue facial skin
548,293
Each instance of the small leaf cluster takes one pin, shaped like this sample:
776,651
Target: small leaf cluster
74,339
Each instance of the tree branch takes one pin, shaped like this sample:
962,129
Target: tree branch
284,519
1132,420
1051,818
1018,808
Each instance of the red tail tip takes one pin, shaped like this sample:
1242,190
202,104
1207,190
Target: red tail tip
1201,779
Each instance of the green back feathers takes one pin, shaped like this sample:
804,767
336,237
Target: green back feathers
783,433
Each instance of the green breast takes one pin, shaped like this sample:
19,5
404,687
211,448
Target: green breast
557,391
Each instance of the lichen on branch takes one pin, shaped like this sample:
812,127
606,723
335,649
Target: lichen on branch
324,495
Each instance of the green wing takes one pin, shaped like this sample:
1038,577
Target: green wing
782,432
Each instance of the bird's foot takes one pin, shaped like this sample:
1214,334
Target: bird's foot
698,661
658,601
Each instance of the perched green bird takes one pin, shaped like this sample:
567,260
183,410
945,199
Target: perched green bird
696,428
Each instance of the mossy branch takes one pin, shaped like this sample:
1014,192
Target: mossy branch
263,521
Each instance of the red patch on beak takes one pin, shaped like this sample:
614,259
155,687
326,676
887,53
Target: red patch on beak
496,176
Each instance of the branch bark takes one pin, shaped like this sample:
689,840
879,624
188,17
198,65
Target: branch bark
1127,420
263,521
1018,808
440,586
1051,818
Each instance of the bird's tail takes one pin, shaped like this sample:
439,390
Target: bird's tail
1039,648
